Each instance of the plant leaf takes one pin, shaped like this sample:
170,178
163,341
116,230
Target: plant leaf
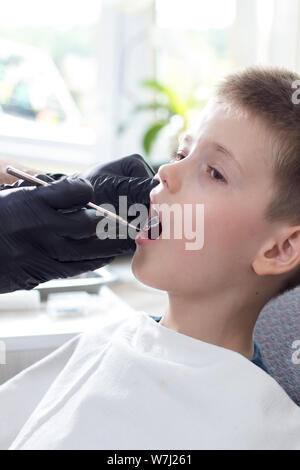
174,104
154,85
149,107
151,134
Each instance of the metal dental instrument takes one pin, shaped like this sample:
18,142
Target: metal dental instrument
25,176
153,222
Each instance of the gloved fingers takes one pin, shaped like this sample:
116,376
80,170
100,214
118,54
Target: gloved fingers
66,193
55,176
129,176
64,250
43,177
139,189
107,189
118,246
25,212
23,183
82,223
135,165
73,268
33,271
41,218
77,225
132,165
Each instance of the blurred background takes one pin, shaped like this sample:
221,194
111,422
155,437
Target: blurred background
86,81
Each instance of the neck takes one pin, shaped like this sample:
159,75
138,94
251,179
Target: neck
225,320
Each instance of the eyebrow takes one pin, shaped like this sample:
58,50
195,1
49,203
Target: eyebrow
219,147
228,153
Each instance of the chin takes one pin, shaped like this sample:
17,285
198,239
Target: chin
145,272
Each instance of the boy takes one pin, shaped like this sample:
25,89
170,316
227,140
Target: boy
242,162
188,382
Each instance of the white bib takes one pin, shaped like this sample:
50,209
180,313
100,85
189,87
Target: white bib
136,384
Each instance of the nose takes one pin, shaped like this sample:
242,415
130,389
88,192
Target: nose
169,176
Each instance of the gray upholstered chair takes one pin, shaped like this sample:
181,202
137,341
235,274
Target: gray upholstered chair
277,333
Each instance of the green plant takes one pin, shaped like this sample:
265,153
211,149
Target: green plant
166,104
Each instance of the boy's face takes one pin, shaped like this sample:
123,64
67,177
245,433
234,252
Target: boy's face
234,185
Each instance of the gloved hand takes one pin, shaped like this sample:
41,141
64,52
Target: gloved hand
129,176
38,242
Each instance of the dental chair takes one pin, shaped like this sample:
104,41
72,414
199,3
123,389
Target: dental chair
277,333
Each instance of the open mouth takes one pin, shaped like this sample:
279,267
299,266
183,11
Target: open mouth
153,227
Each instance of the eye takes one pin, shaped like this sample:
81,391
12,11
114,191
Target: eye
218,176
177,156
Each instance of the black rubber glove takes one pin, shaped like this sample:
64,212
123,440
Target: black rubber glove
130,176
48,177
38,242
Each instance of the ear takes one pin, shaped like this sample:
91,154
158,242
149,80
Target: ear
281,255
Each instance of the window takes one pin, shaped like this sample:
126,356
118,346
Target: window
48,81
71,73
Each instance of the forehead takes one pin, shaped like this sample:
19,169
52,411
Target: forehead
214,117
245,135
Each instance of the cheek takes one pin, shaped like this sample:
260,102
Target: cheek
233,234
230,240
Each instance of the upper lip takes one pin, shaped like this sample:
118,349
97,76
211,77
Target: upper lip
153,199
